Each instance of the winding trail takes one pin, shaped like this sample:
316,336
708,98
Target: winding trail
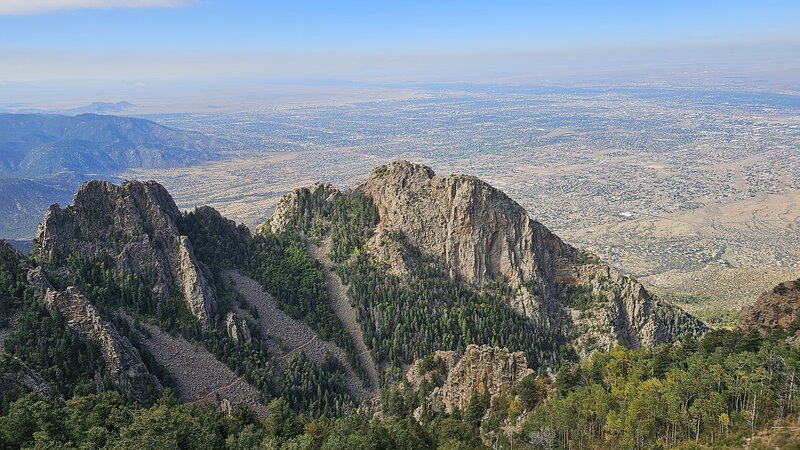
295,334
198,374
337,295
300,348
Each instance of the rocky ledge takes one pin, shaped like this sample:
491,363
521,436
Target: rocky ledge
123,362
774,310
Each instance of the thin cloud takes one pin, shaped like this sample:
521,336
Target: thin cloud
15,7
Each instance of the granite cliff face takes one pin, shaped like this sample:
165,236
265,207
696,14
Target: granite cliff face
237,328
136,225
776,309
123,361
481,370
482,235
618,308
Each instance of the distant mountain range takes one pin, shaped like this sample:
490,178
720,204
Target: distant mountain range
102,108
94,107
36,145
44,157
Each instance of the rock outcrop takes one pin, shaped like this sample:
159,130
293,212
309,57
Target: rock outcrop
296,205
776,309
15,374
482,370
237,328
482,235
136,225
123,362
621,311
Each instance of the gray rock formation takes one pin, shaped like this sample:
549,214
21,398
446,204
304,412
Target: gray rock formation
482,235
123,363
136,225
482,370
15,373
237,328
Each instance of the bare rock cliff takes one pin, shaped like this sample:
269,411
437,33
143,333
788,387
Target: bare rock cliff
483,235
776,309
136,225
237,328
123,362
481,370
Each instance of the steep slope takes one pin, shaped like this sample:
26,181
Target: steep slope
123,363
778,309
481,237
199,377
337,296
289,336
136,226
129,252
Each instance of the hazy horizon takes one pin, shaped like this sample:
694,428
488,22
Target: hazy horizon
71,52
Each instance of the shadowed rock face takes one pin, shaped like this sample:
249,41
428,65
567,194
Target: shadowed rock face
123,362
136,225
17,374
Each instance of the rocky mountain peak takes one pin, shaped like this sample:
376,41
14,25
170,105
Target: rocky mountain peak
297,204
482,236
476,229
134,224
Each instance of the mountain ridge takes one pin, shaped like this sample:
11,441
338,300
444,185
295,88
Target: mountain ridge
482,236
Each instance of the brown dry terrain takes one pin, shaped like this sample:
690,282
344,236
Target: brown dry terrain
777,308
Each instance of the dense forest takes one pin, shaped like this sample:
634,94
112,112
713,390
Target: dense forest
716,392
14,289
283,267
405,319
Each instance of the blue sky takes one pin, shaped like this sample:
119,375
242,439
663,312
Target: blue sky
71,38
